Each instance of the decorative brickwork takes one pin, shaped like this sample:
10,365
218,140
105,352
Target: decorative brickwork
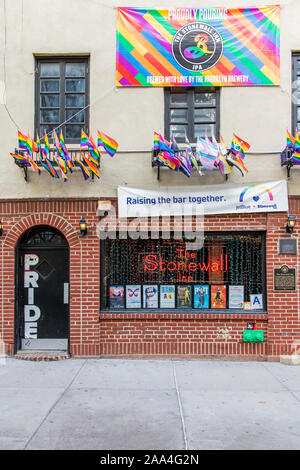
142,334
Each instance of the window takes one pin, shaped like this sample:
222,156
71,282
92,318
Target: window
232,263
296,92
192,112
62,94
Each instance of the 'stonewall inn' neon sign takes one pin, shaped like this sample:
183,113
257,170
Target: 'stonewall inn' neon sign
186,264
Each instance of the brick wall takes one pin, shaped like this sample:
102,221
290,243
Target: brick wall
17,217
149,334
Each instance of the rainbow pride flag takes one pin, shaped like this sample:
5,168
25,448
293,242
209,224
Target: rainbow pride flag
46,150
290,141
62,164
59,150
22,141
109,144
295,158
237,161
239,146
20,159
156,141
83,168
163,158
84,139
297,141
65,151
91,165
33,164
49,168
94,152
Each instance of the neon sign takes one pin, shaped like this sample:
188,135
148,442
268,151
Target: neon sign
186,263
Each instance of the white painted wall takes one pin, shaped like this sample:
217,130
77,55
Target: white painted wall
260,115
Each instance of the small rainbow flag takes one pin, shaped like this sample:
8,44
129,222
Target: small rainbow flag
239,146
46,147
89,142
156,141
91,165
290,141
295,158
49,168
161,157
297,141
20,158
57,145
39,148
94,146
109,144
62,164
237,161
22,141
65,151
84,139
33,164
83,168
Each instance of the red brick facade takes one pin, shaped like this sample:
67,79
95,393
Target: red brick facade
198,335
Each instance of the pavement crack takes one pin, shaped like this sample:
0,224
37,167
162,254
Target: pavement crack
282,384
180,408
53,406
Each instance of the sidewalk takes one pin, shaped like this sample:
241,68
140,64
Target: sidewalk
149,404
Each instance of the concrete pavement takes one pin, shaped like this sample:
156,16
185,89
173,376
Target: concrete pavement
149,404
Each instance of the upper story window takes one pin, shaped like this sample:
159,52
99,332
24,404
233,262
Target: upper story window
62,94
191,112
296,92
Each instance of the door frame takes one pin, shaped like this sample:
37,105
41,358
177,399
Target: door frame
19,289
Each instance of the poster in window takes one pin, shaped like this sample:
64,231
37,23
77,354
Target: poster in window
150,296
133,296
184,296
116,296
236,296
201,296
218,297
256,301
167,296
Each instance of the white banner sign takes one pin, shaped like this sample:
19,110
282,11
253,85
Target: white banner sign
205,200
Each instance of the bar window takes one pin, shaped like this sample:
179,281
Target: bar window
191,113
62,96
223,274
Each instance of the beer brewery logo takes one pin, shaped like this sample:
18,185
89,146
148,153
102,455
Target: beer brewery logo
197,46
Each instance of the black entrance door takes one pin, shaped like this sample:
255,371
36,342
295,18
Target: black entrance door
42,317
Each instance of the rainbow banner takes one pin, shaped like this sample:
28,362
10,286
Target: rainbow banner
198,46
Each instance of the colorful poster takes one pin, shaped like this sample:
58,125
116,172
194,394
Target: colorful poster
150,296
236,296
167,296
184,296
218,297
201,296
116,297
133,296
205,46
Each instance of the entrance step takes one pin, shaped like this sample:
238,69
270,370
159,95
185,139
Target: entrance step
290,360
42,355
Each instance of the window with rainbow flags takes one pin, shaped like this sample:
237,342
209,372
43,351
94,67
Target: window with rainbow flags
291,154
208,155
58,161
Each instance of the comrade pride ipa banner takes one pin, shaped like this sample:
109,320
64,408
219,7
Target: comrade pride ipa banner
198,46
